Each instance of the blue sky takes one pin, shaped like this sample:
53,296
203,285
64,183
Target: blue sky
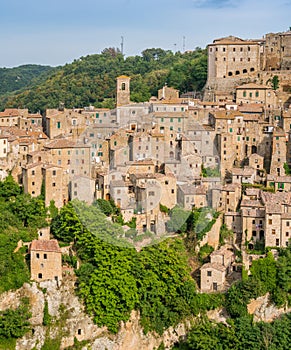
55,32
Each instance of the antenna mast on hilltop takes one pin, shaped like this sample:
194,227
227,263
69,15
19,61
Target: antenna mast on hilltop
121,45
184,39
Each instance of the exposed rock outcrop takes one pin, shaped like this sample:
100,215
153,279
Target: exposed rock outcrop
70,322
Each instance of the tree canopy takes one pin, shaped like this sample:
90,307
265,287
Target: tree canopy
91,80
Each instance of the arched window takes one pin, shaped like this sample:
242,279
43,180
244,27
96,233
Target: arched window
245,71
123,86
237,72
229,74
252,69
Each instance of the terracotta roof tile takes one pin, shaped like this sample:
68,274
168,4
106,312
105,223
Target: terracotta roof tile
51,245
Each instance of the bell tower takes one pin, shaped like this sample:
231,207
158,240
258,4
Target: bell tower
123,91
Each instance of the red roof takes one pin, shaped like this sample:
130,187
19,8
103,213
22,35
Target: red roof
51,245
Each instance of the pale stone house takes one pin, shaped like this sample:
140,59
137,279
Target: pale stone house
45,260
243,175
213,274
280,183
256,93
190,196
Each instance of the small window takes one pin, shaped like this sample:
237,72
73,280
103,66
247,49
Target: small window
45,256
40,275
37,255
209,273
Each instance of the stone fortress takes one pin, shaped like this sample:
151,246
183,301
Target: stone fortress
233,61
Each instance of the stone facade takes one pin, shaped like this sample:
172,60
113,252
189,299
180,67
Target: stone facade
123,91
213,274
45,260
233,61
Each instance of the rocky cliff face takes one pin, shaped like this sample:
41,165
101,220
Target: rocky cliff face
264,310
69,322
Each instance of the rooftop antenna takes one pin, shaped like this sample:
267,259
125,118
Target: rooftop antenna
175,45
121,45
184,39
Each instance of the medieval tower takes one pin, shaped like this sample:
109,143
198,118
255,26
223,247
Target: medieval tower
123,91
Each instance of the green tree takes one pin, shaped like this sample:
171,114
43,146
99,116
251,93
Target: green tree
105,206
14,323
9,188
178,221
67,225
275,82
264,270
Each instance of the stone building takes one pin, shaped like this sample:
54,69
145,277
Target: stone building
277,51
256,93
230,197
123,91
279,152
266,218
45,260
233,61
213,274
279,183
83,188
168,93
190,196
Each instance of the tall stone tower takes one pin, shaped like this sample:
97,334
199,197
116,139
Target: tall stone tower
279,152
123,91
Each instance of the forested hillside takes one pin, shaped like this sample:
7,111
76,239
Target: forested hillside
22,77
91,80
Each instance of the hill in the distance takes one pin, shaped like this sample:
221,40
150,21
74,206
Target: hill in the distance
13,79
91,80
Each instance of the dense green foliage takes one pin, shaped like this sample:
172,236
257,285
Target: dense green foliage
241,333
267,276
114,279
199,222
210,172
13,79
91,80
224,234
46,316
178,219
14,323
20,216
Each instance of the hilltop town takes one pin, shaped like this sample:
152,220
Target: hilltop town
230,151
